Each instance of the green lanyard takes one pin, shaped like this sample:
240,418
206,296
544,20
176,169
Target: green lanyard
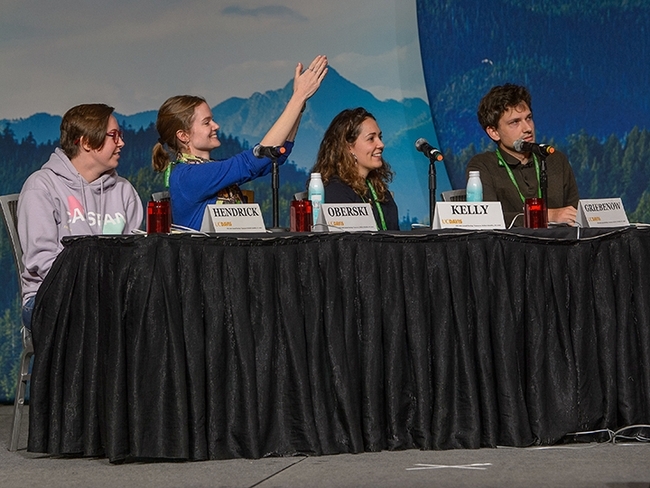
377,205
503,163
168,172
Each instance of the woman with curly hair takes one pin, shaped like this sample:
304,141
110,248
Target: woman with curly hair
352,167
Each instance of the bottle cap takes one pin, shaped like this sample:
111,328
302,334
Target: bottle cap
474,173
315,175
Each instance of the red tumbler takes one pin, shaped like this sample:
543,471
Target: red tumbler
159,217
535,213
301,216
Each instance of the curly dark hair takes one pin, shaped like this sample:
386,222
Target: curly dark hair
498,100
335,159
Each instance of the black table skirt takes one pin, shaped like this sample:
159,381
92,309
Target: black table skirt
185,347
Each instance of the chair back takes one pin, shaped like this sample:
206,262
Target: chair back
454,195
249,195
9,206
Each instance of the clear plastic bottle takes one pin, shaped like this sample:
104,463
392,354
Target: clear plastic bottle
474,190
316,195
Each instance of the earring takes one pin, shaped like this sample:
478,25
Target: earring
356,161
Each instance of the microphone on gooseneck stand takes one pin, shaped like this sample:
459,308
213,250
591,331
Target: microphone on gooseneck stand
434,156
431,152
272,152
542,150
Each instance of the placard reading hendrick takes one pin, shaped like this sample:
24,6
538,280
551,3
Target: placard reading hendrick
233,218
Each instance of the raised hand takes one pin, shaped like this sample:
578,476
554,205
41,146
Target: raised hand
305,83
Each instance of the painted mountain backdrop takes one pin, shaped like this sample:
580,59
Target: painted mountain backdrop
402,123
587,65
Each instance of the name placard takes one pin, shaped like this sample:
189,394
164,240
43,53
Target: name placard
468,215
346,217
602,212
239,217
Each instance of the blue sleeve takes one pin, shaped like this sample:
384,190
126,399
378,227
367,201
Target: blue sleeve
281,160
197,182
193,186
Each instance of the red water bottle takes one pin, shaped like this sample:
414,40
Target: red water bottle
300,216
535,213
159,217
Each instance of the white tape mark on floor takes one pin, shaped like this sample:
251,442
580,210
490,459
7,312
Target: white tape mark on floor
452,466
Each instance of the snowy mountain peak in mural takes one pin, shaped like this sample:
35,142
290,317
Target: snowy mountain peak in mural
250,118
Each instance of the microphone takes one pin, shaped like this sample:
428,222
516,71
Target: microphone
542,150
273,152
431,152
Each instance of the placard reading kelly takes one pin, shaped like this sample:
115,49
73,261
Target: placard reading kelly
468,215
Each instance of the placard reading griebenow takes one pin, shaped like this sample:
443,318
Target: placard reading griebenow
602,212
233,218
468,215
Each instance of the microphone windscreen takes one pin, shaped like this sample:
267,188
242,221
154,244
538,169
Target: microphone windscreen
518,145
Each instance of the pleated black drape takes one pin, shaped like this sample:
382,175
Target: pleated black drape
186,347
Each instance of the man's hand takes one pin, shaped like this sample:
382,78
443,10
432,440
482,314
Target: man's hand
566,215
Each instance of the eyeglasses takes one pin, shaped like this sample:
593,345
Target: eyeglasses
116,135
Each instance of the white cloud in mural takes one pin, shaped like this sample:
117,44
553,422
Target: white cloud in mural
267,11
389,75
133,55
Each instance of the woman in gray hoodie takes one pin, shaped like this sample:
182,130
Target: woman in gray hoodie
77,192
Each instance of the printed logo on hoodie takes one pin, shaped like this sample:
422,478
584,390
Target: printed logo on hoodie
112,224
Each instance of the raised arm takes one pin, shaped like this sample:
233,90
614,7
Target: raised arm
305,84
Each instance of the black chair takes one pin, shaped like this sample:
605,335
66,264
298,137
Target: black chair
454,195
249,195
9,206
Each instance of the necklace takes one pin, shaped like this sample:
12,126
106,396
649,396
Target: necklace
183,158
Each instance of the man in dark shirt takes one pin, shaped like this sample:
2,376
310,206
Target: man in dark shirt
509,176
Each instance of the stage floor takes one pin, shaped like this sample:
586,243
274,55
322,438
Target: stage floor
578,465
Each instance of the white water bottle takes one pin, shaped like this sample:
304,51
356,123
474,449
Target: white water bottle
316,194
474,190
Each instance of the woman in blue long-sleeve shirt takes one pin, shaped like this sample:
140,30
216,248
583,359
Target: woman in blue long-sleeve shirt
186,127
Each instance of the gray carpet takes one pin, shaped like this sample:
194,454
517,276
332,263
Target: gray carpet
589,465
